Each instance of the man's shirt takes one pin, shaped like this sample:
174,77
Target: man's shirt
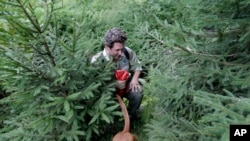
123,63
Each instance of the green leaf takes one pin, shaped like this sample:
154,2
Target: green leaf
105,117
94,119
74,96
63,118
95,129
111,108
70,114
117,113
66,106
37,91
228,93
52,104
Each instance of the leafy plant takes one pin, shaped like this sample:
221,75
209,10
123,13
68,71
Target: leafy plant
191,55
55,93
195,54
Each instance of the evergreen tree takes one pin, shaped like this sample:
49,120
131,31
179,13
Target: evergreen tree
54,92
197,51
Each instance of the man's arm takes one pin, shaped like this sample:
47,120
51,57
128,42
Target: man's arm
136,66
134,84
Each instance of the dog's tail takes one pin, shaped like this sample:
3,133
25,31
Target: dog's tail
125,114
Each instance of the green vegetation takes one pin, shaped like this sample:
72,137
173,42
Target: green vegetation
195,52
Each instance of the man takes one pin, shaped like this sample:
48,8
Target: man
124,58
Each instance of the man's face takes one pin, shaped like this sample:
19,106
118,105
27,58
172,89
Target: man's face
116,50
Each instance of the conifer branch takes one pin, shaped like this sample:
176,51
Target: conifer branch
211,32
35,23
51,57
164,44
9,3
48,17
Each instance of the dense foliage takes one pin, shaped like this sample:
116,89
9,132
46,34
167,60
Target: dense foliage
195,53
54,92
202,77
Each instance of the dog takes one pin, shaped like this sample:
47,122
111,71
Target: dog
124,135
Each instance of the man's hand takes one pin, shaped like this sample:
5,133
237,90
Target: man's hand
134,85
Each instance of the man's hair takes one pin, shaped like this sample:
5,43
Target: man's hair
114,35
